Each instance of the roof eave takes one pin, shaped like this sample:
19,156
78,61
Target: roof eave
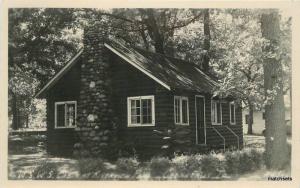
68,66
136,66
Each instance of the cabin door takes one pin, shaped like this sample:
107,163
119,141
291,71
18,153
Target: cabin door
200,119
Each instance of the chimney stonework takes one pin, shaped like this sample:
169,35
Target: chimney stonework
95,120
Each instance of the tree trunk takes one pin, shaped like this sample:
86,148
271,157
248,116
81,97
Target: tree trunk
206,40
169,46
153,29
276,145
26,121
250,119
15,113
144,37
159,45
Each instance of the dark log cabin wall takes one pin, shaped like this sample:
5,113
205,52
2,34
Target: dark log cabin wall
60,141
130,82
127,81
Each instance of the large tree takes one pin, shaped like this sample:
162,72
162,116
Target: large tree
40,40
240,67
237,42
206,45
37,46
150,28
276,144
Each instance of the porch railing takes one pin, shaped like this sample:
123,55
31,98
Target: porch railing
238,138
224,141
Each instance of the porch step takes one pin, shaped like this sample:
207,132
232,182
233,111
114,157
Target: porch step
217,140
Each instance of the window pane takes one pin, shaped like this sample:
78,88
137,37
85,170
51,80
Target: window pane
60,115
70,119
184,111
138,107
135,111
146,111
135,119
213,112
133,105
232,114
218,112
177,111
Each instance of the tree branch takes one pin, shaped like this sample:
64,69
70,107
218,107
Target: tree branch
187,22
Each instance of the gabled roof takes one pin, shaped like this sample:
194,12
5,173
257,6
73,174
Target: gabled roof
169,72
62,72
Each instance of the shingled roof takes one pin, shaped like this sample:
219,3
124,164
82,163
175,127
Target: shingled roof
170,72
175,73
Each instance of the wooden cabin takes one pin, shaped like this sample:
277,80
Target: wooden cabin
147,91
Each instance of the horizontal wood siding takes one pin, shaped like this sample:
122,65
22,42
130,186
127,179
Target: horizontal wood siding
61,141
226,128
127,81
192,116
213,138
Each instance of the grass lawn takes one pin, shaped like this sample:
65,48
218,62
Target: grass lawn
27,152
21,164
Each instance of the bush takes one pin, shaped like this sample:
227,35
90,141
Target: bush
246,163
45,171
91,168
232,162
257,158
159,166
250,160
127,166
211,166
186,166
240,162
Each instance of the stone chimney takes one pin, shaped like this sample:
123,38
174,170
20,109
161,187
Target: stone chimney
95,120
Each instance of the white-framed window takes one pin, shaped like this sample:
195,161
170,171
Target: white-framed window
181,110
232,113
65,114
141,111
216,112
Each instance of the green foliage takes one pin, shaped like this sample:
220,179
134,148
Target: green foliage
19,175
182,167
127,166
45,171
159,167
20,144
92,168
257,159
232,163
211,166
39,42
186,166
174,140
245,161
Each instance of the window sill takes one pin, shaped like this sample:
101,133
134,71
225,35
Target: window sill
216,124
139,125
64,127
180,124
